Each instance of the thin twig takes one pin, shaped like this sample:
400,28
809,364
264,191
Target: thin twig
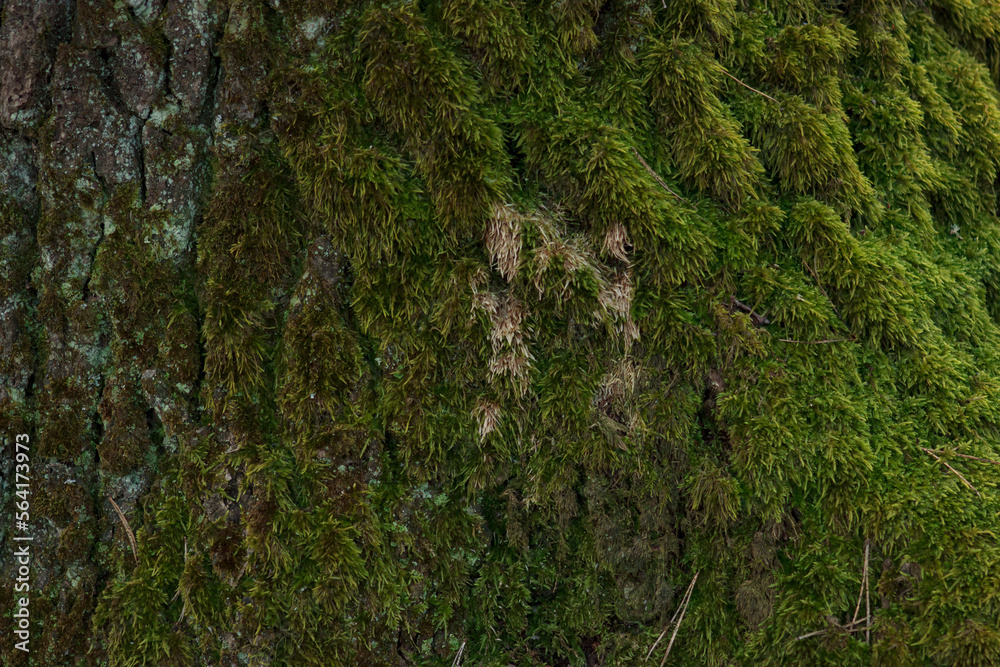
680,620
868,608
960,475
748,87
864,591
682,605
758,320
817,342
740,305
667,626
662,635
847,627
969,456
458,658
861,589
128,529
660,180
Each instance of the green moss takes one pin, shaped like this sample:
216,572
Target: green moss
515,318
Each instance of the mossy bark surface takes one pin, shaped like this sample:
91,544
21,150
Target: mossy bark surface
515,329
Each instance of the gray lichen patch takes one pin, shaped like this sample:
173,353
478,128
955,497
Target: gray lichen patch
139,70
30,31
146,10
175,176
190,26
89,125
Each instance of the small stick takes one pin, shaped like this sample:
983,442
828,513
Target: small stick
817,342
969,456
868,609
666,627
748,87
687,595
848,626
960,476
680,620
458,658
128,529
758,320
742,306
864,590
660,180
861,589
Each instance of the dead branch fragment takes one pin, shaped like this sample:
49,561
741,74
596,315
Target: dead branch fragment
660,180
960,475
758,320
864,591
128,529
966,456
861,590
847,627
748,87
868,607
458,657
681,609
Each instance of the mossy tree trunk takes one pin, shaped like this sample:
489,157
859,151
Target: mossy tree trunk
398,329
